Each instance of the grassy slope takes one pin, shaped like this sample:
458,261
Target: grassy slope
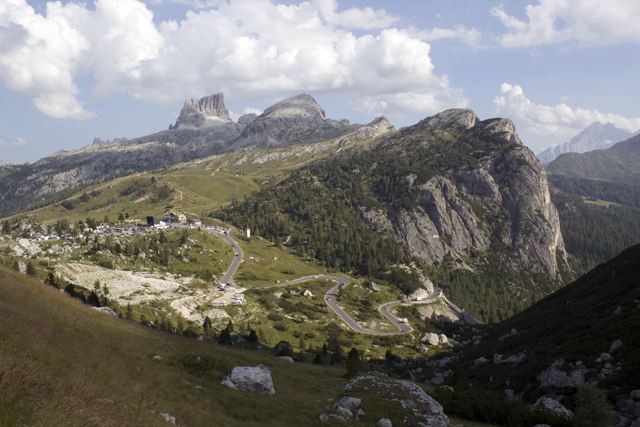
201,186
80,367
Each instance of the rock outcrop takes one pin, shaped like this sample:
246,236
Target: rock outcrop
206,112
554,406
256,379
418,407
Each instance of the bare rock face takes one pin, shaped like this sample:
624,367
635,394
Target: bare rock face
256,379
509,186
206,112
506,126
448,118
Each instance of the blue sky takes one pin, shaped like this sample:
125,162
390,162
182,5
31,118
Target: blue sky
70,72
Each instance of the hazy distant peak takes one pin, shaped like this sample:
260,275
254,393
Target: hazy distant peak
596,136
301,105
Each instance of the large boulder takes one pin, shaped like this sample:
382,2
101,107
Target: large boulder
430,338
256,379
418,408
372,286
283,348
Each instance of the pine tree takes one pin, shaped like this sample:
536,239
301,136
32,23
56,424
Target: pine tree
353,363
253,337
206,326
31,271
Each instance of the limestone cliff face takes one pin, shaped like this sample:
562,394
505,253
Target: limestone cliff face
504,198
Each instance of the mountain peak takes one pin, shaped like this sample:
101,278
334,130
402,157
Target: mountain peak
206,112
448,118
596,136
301,105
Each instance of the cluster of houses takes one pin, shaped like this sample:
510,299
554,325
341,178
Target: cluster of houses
172,218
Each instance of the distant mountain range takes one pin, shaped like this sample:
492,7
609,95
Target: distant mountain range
203,128
620,163
595,137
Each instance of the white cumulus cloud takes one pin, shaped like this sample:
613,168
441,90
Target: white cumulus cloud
250,49
250,110
572,22
559,121
19,142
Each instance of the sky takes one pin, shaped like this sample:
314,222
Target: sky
72,71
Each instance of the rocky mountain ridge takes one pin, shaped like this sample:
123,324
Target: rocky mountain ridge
204,128
595,137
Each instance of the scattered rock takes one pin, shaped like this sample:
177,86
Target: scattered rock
635,394
156,357
384,422
256,379
344,412
616,345
323,417
215,313
561,382
372,286
553,406
511,360
286,359
307,293
168,417
351,403
480,361
443,339
106,310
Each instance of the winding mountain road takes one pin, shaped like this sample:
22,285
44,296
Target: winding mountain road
330,300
